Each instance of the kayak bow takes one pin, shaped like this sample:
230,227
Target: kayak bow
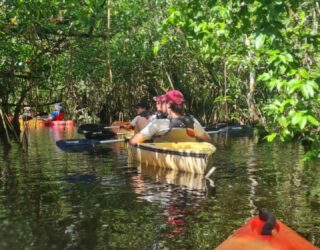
264,232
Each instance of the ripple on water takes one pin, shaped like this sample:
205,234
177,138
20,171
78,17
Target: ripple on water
51,199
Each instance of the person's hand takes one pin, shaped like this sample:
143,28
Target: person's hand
127,127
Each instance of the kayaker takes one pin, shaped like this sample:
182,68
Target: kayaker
142,117
27,114
175,122
161,111
57,114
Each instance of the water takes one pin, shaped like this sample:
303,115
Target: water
55,200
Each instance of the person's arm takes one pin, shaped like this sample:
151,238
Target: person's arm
141,123
132,123
145,134
137,138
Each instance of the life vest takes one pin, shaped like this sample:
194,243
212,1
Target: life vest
161,115
185,121
181,130
59,117
145,114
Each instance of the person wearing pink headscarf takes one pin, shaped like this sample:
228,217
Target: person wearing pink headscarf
174,105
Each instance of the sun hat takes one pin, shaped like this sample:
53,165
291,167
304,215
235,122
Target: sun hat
175,97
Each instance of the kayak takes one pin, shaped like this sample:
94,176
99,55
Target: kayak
192,157
100,135
40,123
32,123
260,233
67,123
117,127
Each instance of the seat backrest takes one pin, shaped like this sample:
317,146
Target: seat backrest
177,135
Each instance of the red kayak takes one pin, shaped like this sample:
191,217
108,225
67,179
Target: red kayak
264,232
68,123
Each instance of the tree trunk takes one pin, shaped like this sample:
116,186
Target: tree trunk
253,116
109,69
5,130
226,113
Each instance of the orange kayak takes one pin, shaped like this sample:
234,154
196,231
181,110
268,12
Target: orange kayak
117,127
253,236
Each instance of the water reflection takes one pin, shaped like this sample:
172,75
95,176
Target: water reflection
168,176
76,178
50,199
177,193
252,167
273,175
60,132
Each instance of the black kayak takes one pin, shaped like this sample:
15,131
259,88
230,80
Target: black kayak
90,127
100,135
76,145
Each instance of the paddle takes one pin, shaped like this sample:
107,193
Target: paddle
93,127
79,145
226,130
216,132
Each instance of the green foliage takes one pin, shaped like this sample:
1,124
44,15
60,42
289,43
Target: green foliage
277,41
248,61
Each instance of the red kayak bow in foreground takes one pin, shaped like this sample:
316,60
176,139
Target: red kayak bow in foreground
264,232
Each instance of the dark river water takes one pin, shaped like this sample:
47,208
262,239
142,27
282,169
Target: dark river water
50,199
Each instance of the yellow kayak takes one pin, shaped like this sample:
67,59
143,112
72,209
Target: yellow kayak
192,157
33,123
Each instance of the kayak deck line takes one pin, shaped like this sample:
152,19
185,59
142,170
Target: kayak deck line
170,152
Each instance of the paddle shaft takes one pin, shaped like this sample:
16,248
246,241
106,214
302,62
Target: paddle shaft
223,130
93,127
113,127
89,130
110,141
214,132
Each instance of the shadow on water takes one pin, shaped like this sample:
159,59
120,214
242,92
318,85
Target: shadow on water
50,199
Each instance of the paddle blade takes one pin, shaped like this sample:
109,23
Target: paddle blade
92,127
76,145
79,145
